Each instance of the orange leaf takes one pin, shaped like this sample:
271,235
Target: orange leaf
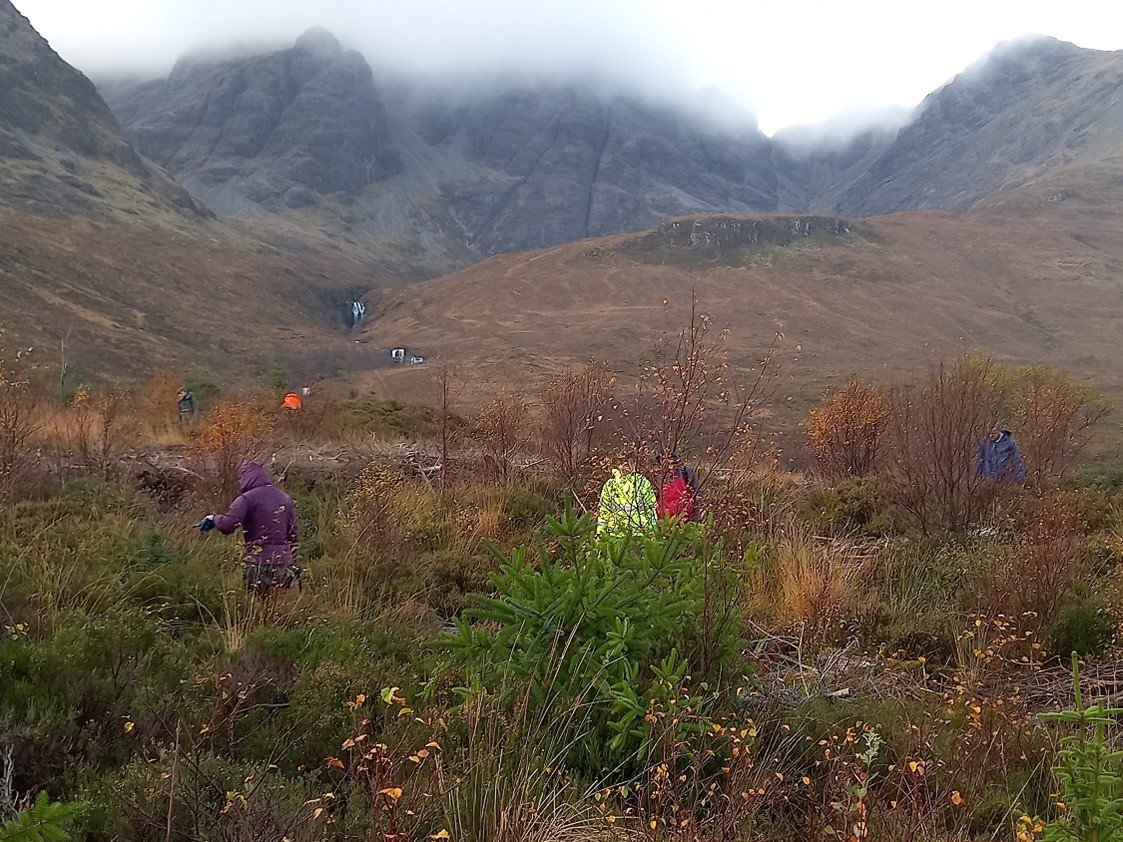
335,761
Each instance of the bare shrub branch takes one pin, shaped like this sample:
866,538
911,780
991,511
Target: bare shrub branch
18,422
573,407
934,431
502,430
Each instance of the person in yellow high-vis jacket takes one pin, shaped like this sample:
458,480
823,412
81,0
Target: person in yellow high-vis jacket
627,503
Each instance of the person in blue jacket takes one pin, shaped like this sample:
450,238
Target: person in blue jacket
998,457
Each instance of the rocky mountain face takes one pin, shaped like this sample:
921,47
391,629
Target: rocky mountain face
268,133
1029,109
450,177
558,165
60,146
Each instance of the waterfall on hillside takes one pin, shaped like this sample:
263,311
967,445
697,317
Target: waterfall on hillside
358,312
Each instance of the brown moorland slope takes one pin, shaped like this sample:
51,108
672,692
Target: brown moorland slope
130,299
1036,276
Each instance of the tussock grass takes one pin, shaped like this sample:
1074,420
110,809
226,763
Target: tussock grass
808,583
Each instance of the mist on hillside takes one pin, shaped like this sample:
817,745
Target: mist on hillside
453,50
843,128
621,47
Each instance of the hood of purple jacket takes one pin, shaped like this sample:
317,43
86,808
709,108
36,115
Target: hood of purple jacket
252,475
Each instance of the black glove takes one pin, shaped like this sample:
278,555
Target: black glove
206,524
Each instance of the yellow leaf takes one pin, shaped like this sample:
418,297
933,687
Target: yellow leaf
129,726
392,792
357,702
317,812
433,744
440,834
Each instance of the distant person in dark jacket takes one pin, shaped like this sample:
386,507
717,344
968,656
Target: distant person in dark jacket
680,495
267,516
188,406
998,457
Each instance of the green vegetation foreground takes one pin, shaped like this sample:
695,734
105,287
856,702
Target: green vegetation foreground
863,655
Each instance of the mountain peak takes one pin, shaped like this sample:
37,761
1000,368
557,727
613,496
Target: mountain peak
318,40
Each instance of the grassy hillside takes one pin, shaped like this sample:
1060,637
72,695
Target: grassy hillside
118,301
1033,278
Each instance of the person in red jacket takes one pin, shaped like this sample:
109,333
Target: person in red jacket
267,516
680,496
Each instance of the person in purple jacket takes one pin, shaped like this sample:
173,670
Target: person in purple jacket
267,516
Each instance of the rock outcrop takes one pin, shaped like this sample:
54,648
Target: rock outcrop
554,166
713,236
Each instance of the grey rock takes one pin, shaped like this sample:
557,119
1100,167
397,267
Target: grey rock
1027,109
52,116
265,133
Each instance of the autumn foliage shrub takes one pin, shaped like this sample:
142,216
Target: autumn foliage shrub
1053,415
98,431
234,431
1049,557
935,430
17,419
158,402
845,430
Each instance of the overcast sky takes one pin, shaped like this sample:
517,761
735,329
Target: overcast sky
785,63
